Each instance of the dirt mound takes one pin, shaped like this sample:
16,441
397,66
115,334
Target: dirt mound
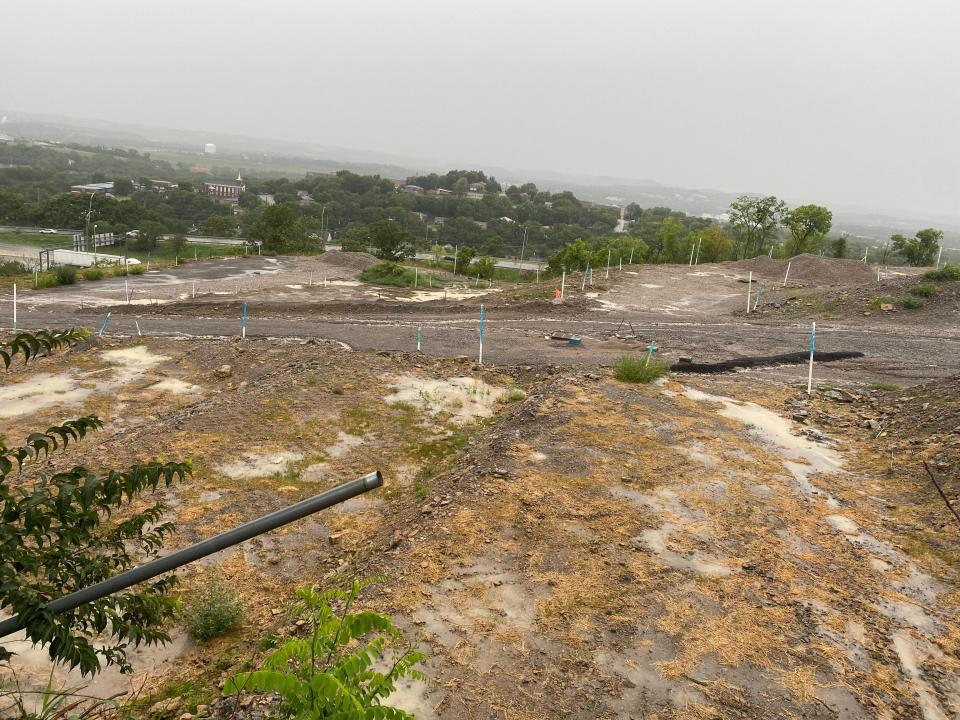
810,269
353,261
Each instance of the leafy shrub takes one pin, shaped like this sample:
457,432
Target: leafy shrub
911,303
330,673
634,369
947,272
924,290
213,610
65,274
885,385
136,269
93,273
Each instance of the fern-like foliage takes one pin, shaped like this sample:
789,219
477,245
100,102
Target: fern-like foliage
31,344
53,539
345,669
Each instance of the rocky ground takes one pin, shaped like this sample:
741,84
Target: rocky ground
559,543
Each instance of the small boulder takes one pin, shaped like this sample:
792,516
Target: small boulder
224,371
166,708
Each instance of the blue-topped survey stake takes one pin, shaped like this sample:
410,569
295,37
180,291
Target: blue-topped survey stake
243,328
651,349
103,327
813,340
482,318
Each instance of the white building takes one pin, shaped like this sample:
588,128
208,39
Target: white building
209,149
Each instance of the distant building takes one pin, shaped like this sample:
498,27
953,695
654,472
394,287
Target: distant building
163,185
225,189
477,187
267,199
209,149
200,170
92,188
473,195
412,189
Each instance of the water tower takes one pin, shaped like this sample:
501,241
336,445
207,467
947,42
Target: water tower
209,149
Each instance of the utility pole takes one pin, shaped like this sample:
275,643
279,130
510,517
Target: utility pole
523,245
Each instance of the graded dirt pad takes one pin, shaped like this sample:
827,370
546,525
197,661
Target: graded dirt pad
595,550
352,261
809,269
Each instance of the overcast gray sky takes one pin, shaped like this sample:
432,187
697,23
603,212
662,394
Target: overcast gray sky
844,101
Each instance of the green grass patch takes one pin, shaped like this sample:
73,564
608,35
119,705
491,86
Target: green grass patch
637,369
35,239
885,385
876,302
394,275
136,269
947,272
926,290
512,395
911,303
12,268
92,274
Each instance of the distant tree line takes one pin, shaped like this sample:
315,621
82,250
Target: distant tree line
372,212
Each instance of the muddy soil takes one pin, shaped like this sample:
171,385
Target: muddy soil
595,549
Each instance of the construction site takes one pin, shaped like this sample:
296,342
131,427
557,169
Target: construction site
767,531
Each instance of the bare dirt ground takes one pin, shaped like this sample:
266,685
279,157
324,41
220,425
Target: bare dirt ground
705,547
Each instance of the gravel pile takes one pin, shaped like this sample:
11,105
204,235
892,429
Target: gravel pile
811,269
352,261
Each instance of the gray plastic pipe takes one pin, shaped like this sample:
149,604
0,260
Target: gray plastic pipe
287,515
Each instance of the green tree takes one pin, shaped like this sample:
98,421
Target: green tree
219,226
465,256
355,238
921,249
574,256
714,242
485,267
55,539
123,187
461,186
390,240
669,246
754,221
278,229
808,226
151,232
838,247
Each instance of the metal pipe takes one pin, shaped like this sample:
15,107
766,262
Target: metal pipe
201,549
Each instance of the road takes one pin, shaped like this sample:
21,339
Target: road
281,305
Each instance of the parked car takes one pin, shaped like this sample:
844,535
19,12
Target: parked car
48,231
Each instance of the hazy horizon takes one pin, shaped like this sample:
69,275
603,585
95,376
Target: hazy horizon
850,105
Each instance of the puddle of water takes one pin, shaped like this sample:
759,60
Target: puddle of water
463,398
650,286
294,287
175,387
39,392
254,465
778,431
32,665
656,539
131,363
926,697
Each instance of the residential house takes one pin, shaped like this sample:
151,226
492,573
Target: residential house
477,187
412,189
